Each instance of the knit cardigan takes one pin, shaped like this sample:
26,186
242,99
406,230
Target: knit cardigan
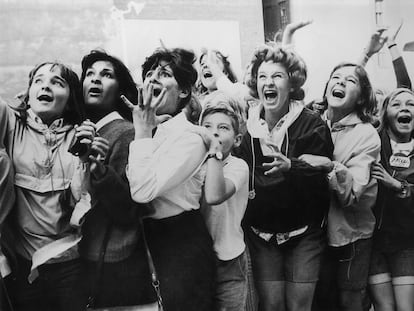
111,200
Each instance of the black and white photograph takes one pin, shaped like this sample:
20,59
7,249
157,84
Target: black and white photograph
206,155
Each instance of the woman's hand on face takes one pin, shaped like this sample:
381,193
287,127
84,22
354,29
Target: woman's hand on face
85,134
99,150
380,173
280,164
210,141
214,64
144,113
321,162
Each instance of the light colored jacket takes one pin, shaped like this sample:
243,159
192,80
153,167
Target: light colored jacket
353,191
7,195
48,182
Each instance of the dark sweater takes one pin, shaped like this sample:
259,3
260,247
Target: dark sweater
301,197
395,215
111,200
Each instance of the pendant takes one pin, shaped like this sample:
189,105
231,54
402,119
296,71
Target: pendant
252,194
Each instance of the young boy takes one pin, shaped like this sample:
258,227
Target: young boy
225,201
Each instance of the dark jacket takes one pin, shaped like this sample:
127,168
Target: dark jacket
394,213
301,197
112,202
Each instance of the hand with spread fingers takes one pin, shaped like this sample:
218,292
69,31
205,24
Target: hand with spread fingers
280,164
99,150
144,114
321,162
376,42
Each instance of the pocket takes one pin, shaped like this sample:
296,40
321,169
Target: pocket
242,265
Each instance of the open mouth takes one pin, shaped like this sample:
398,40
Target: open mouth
404,119
95,91
46,98
338,93
207,75
270,95
156,92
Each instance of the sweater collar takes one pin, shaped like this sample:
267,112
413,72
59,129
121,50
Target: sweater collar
114,115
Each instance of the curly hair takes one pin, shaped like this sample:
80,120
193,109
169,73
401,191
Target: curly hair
181,62
294,64
74,112
388,99
127,86
366,108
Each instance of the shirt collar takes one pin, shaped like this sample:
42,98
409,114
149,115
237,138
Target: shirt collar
349,120
58,123
114,115
178,122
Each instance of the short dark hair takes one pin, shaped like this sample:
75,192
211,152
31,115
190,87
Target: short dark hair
365,110
294,64
181,62
233,117
127,86
73,112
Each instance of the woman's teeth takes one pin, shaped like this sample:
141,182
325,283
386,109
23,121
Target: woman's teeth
270,95
338,93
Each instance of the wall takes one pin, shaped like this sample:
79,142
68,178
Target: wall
34,31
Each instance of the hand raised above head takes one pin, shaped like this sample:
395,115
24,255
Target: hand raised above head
376,42
291,29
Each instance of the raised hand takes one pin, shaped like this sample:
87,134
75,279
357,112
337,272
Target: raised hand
376,42
291,29
144,113
393,33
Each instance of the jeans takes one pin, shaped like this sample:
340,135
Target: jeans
231,282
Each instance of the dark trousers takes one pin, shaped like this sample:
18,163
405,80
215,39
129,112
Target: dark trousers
123,283
57,287
183,256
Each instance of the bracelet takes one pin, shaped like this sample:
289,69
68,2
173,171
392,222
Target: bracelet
392,45
404,187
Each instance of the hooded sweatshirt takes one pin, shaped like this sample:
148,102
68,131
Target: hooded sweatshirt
298,197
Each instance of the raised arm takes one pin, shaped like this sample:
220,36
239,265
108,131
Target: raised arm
291,29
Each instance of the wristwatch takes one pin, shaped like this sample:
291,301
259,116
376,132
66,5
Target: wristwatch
217,155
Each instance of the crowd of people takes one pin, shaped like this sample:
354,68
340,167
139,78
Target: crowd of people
196,191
